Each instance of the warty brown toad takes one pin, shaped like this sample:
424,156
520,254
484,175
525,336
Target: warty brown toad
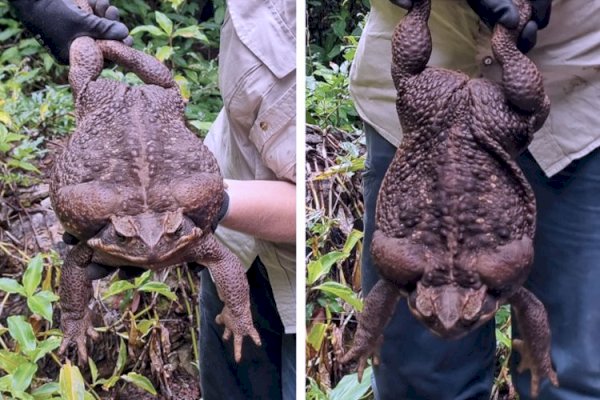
137,188
455,216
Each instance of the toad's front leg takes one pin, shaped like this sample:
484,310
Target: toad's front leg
232,285
75,293
379,308
534,346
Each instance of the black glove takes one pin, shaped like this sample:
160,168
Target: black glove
505,12
56,23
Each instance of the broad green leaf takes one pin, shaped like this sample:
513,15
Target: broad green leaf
316,335
41,304
158,287
201,125
71,382
44,347
143,278
321,267
351,241
93,370
343,292
116,288
164,53
192,31
22,332
11,286
46,391
5,384
151,29
145,325
10,361
108,383
184,86
140,381
21,378
121,359
350,389
164,22
503,339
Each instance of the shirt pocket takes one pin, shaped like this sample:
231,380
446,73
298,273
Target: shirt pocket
274,135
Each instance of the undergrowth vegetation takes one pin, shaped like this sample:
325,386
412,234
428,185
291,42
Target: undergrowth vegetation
334,161
147,347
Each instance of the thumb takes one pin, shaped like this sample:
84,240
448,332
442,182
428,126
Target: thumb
528,37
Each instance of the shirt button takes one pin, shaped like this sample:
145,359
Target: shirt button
264,126
487,61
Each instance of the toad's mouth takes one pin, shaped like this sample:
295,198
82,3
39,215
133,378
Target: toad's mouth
143,254
451,311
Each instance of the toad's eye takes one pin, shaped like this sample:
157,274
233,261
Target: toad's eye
120,238
178,231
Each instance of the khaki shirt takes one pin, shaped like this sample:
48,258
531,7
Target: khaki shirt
254,136
567,53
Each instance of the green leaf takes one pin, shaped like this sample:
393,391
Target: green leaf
158,287
71,383
45,347
5,384
321,267
10,361
116,288
201,125
11,286
41,304
108,383
316,335
343,292
164,22
350,389
164,53
21,378
33,274
351,241
46,391
121,359
140,381
192,31
22,332
145,325
143,278
151,29
184,86
93,370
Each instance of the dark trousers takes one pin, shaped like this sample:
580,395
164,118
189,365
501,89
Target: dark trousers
266,372
566,275
566,278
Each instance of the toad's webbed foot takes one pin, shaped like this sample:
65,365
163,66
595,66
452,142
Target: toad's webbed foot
238,327
362,350
539,367
75,331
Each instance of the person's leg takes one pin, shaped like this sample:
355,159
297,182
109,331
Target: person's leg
288,367
258,375
415,364
566,275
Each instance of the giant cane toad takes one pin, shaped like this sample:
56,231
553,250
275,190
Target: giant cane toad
455,216
137,188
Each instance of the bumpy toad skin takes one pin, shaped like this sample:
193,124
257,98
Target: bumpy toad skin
137,188
455,215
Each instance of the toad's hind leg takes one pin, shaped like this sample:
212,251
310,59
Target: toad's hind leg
379,308
534,346
411,43
232,286
75,294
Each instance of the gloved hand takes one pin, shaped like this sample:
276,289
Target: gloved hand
505,12
56,23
